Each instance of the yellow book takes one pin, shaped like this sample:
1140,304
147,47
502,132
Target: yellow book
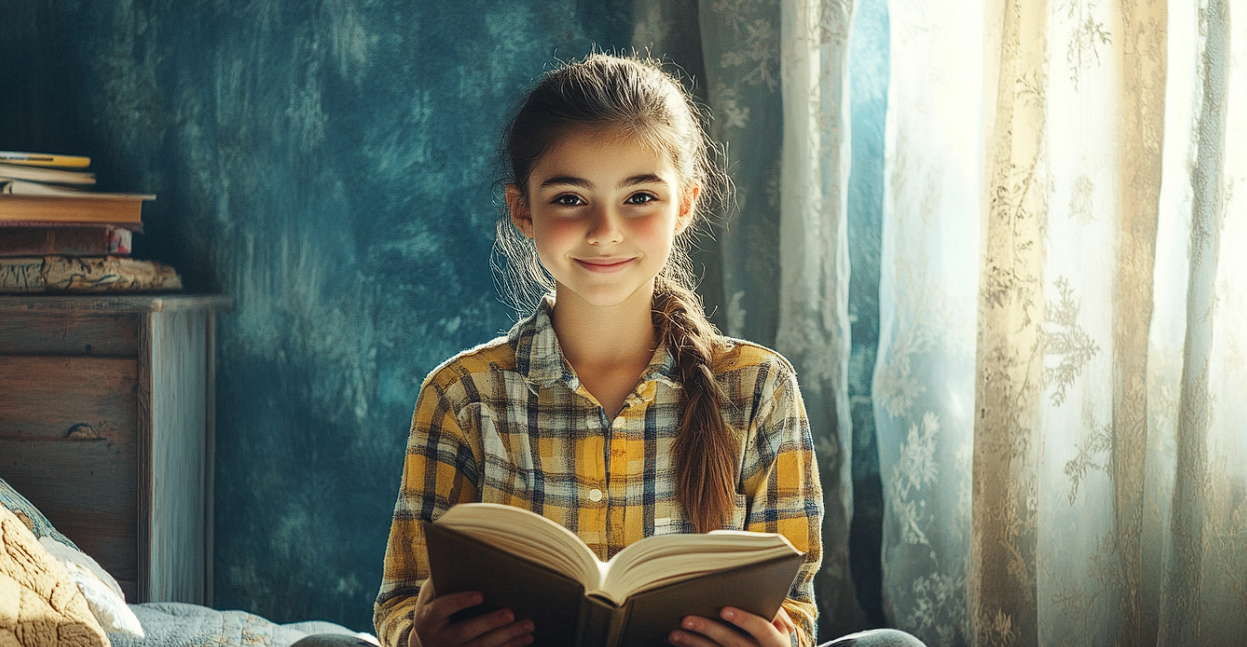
45,159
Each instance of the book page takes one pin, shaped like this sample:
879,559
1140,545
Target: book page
660,560
527,535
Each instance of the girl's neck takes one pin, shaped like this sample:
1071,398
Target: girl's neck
609,347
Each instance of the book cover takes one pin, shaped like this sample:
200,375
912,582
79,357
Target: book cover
13,171
564,614
44,159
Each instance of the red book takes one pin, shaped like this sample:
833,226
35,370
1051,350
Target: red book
42,239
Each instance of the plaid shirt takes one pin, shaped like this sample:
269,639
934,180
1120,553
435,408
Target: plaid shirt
509,422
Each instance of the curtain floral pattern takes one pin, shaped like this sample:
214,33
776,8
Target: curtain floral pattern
1060,392
1061,378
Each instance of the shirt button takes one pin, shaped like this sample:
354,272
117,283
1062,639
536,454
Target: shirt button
595,495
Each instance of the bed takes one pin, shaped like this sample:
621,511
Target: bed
53,593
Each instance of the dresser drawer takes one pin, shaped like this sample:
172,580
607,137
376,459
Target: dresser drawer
70,332
106,414
68,442
58,397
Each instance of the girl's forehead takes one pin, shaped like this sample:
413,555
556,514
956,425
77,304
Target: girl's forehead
603,148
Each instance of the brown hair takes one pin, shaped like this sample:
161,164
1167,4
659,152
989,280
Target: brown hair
637,99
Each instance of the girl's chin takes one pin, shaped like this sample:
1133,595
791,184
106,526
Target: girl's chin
606,298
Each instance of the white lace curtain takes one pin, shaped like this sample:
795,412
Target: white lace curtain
1061,379
1060,392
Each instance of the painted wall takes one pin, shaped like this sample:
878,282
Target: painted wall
329,165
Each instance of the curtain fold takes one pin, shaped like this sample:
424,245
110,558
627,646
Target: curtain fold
813,331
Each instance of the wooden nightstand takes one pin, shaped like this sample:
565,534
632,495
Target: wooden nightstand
106,424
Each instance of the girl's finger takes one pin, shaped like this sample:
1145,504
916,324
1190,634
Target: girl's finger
784,622
480,630
516,634
762,630
442,607
696,631
682,638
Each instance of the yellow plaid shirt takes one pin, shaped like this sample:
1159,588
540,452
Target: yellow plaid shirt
509,422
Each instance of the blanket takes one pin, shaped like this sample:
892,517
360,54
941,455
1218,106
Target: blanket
174,624
40,604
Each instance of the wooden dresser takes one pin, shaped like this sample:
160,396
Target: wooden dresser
106,424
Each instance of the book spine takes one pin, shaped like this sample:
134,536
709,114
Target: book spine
599,623
65,241
87,209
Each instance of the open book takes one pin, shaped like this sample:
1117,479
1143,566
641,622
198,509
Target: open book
542,571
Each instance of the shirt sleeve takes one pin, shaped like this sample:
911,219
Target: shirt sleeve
779,476
439,470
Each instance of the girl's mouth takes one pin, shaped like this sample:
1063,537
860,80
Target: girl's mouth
603,265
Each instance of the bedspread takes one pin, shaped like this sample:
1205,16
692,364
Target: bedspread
173,624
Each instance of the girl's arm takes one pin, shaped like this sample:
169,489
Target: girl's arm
439,470
779,475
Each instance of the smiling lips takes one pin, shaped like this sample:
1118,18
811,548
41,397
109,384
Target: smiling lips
604,265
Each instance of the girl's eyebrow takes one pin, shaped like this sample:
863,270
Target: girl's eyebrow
568,180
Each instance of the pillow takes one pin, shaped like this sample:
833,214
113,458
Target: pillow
30,515
40,605
103,594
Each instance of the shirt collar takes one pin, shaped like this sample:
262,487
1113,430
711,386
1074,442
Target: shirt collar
540,361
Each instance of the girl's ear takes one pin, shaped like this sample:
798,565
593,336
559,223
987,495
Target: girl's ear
688,204
521,215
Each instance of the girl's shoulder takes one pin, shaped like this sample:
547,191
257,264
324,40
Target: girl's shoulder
737,355
491,356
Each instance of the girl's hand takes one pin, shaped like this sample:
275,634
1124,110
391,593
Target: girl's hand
432,627
696,631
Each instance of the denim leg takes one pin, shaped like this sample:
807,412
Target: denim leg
876,638
332,640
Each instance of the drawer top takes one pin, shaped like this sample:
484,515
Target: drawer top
113,303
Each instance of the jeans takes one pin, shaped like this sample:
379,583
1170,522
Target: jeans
876,638
871,638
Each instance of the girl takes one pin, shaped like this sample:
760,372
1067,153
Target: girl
615,409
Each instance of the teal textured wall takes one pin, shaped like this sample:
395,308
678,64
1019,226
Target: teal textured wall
329,165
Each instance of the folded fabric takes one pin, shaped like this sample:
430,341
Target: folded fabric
103,594
85,274
40,604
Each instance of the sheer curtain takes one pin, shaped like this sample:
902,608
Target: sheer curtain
1060,384
1061,376
774,75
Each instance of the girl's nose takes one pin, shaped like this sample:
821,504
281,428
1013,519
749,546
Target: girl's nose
605,228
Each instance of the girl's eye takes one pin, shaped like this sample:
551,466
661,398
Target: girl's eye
568,200
640,198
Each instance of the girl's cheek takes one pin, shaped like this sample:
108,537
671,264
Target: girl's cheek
553,233
654,231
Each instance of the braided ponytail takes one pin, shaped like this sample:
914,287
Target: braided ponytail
705,450
639,99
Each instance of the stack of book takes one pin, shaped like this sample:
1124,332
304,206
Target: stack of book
59,235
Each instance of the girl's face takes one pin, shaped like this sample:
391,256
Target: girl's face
604,211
